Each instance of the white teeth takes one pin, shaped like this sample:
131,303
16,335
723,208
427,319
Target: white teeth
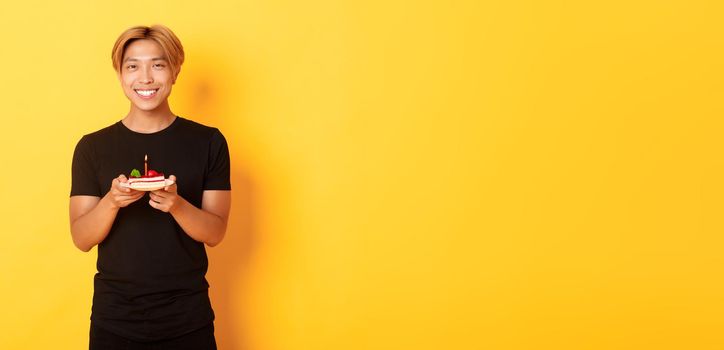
146,92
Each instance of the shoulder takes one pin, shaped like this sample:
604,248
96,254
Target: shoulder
199,130
101,134
197,127
93,139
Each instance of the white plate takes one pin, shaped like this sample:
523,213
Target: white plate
135,186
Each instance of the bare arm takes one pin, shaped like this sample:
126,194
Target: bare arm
91,217
206,224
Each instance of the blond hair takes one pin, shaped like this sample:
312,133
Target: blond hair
164,37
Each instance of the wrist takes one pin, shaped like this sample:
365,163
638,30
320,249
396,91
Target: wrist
108,202
178,206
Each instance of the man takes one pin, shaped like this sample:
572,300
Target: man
150,290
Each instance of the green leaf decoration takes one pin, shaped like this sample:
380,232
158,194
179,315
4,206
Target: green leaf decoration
135,173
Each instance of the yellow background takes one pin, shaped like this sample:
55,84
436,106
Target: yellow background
406,175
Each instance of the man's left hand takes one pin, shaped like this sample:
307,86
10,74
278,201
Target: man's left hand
166,199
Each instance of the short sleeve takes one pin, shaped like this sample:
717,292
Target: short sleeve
218,168
84,181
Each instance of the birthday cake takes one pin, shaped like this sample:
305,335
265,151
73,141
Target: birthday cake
151,180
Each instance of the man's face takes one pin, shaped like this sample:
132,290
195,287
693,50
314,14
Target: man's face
145,75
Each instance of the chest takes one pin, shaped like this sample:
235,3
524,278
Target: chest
187,159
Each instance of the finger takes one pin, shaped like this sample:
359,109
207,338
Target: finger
135,194
162,192
121,179
156,205
155,198
122,191
132,193
156,195
172,178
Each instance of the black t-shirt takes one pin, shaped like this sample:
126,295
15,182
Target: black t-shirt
151,281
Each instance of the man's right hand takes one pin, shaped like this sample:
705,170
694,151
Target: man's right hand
119,196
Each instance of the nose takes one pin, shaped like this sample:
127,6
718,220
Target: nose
146,76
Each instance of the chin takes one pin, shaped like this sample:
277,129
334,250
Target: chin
147,108
146,105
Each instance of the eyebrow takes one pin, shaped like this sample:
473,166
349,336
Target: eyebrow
136,59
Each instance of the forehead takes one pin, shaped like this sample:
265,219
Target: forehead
143,49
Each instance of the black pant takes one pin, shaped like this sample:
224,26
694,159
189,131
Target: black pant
202,339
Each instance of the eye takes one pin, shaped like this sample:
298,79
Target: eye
131,66
159,65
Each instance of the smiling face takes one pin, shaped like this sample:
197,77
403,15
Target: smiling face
146,76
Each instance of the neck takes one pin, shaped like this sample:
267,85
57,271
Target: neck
151,121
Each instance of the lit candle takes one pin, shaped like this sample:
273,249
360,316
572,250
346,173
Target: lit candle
145,165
